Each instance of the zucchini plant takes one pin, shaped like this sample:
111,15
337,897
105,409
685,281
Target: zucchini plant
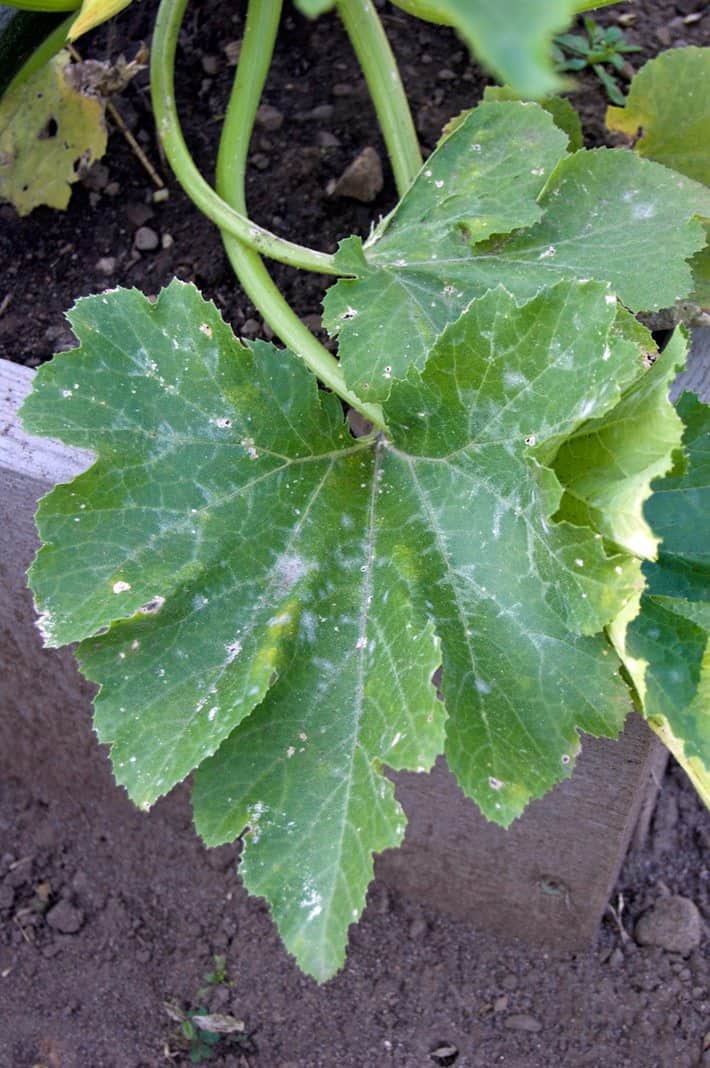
264,598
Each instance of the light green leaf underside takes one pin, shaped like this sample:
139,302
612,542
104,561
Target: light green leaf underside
277,589
48,132
604,214
665,648
669,102
510,37
608,466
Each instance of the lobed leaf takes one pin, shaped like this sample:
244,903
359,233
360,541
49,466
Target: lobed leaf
50,133
668,111
668,115
511,37
665,646
603,214
265,598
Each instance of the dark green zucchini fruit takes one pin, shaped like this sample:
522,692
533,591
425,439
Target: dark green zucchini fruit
21,32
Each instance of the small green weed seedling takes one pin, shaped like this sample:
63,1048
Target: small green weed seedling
598,48
264,599
202,1035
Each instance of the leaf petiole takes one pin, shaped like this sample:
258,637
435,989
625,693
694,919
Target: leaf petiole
254,61
167,27
381,73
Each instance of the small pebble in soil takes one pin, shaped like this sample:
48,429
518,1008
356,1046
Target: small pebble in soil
65,918
362,180
520,1021
106,265
673,923
145,239
269,118
444,1054
418,929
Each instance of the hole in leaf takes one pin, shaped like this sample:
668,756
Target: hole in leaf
50,130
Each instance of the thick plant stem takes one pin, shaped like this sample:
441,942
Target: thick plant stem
382,75
254,62
167,27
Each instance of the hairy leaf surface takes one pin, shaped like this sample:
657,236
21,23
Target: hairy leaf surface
50,133
266,598
603,214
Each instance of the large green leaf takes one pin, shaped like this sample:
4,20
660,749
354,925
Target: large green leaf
510,37
665,647
252,585
604,214
669,105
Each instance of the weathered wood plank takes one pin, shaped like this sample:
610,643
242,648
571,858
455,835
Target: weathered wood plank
547,879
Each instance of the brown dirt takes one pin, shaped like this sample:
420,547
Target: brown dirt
150,905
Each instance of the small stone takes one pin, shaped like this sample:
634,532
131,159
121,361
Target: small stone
145,239
260,161
362,180
321,113
444,1054
418,929
250,328
138,213
520,1021
210,64
325,139
445,75
231,50
97,177
161,195
269,118
112,189
501,1003
167,241
312,322
65,918
7,896
342,89
21,871
510,982
106,265
673,923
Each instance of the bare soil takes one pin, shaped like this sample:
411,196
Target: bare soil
107,914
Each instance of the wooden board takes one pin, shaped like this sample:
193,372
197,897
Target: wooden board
547,879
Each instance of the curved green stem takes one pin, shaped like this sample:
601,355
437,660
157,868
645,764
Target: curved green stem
43,5
383,79
167,27
254,62
49,47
